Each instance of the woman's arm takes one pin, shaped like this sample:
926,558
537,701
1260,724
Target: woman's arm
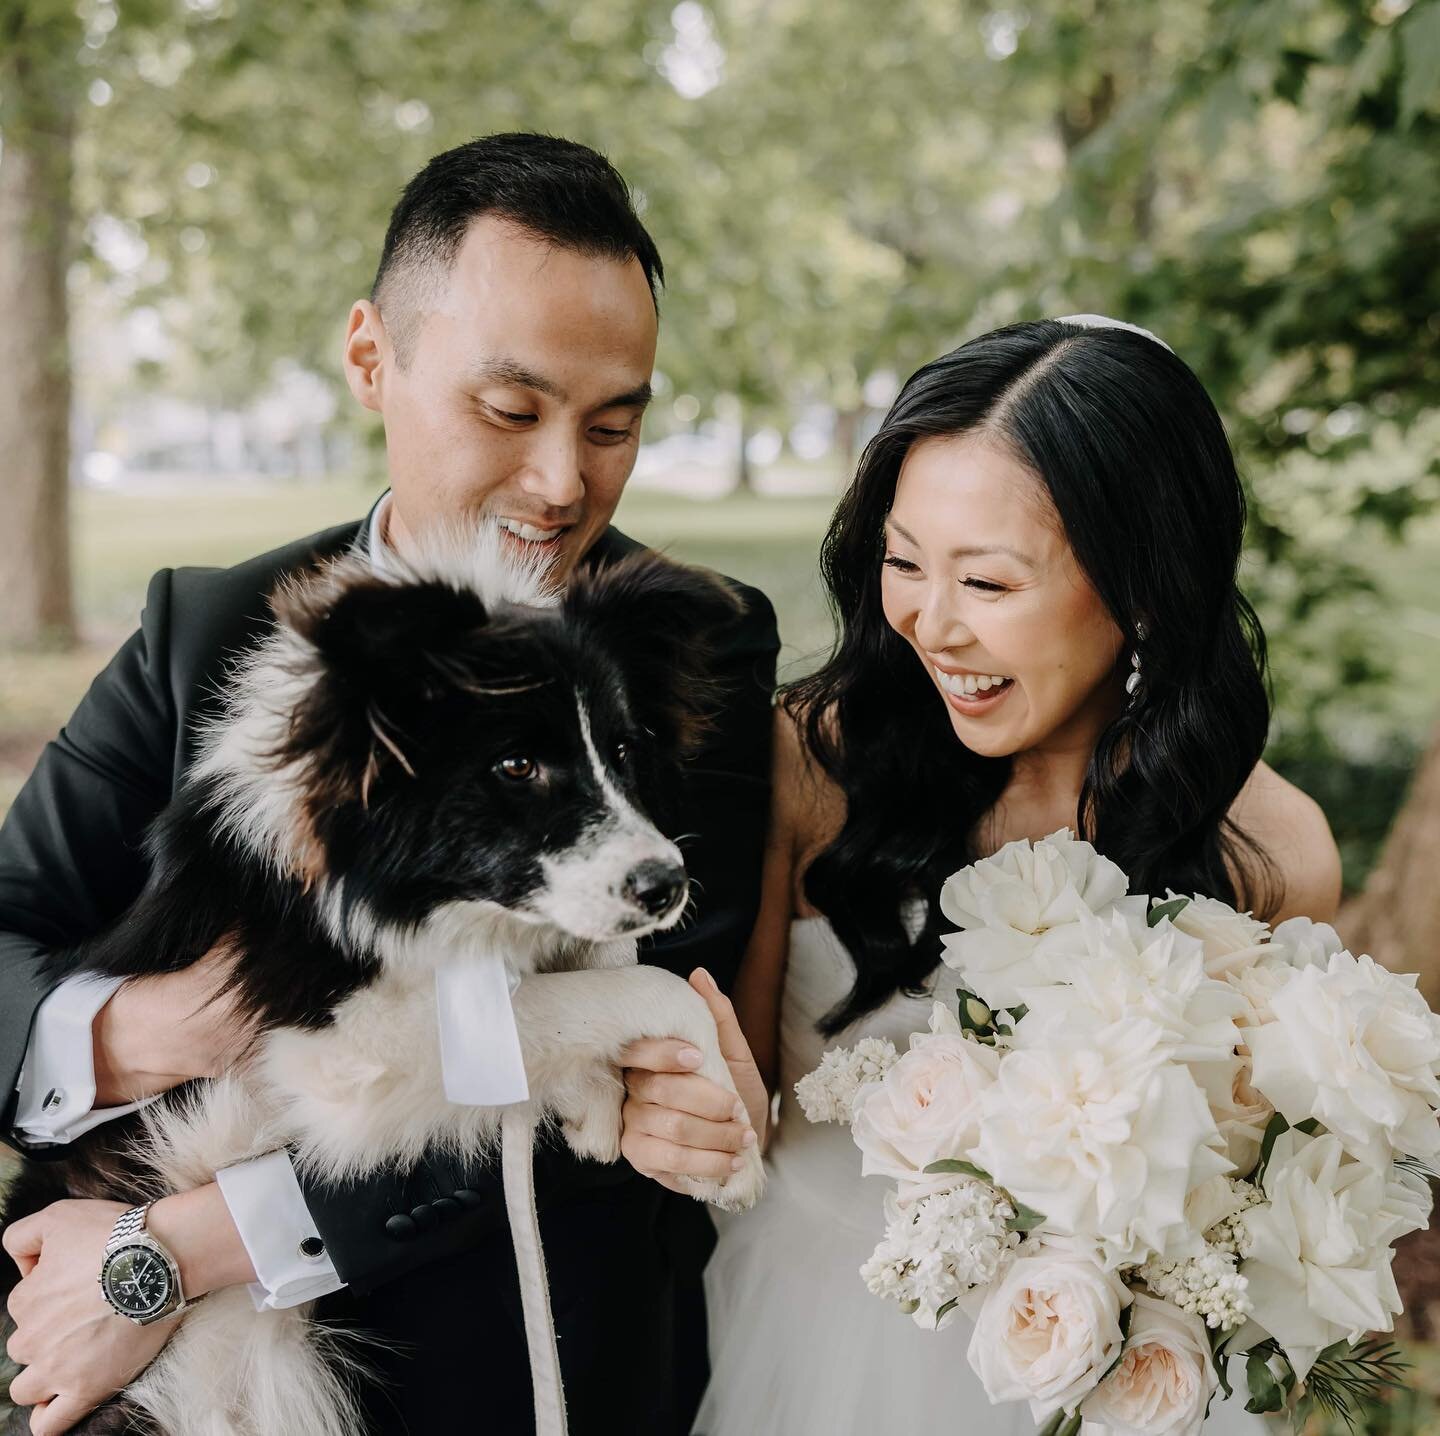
762,970
675,1122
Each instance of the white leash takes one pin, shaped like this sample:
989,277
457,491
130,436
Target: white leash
517,1154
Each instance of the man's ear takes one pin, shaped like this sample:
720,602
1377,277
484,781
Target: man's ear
660,621
366,355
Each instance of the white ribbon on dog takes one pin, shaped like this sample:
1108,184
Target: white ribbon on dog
480,1059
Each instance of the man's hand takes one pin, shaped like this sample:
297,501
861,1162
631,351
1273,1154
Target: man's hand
77,1351
156,1032
676,1123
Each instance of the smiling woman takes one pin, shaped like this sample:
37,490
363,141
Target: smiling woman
1037,507
1045,514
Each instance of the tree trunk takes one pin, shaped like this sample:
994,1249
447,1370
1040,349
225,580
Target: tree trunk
847,440
1397,917
35,167
744,475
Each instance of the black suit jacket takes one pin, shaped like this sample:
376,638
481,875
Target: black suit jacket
71,861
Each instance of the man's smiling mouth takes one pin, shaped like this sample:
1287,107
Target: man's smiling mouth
531,533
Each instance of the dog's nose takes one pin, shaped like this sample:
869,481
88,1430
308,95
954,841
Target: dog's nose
654,886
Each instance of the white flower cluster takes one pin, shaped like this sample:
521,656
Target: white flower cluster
940,1247
828,1093
1208,1286
1229,1234
1162,1046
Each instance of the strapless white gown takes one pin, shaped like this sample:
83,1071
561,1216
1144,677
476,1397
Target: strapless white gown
798,1346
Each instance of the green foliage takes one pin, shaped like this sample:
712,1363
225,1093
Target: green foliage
1345,1378
846,191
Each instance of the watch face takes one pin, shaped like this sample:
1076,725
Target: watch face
136,1280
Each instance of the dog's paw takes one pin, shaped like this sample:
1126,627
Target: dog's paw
738,1192
594,1132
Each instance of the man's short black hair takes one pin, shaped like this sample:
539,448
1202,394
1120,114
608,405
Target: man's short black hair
556,189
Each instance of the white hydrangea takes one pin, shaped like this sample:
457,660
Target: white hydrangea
1208,1286
940,1247
828,1093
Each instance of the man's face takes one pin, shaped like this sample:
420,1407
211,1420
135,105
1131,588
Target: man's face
522,400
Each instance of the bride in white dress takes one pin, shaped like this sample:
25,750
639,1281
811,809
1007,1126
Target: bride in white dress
1034,576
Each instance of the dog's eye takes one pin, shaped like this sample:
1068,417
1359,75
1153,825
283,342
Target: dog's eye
518,769
622,753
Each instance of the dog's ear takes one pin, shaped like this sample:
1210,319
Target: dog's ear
661,622
374,656
373,632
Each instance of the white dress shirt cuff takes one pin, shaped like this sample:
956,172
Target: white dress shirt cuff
269,1211
57,1080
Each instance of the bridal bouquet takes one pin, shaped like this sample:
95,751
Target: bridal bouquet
1153,1135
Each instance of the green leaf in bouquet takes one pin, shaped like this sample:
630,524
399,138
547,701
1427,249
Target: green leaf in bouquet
1026,1219
1219,1340
1171,909
1277,1125
944,1310
1309,1126
1266,1393
964,1169
1345,1376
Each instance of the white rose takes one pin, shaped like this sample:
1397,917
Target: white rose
1009,903
1305,943
1357,1048
1164,1380
1256,985
1047,1331
1232,940
926,1108
1104,1136
1119,969
1317,1254
1240,1111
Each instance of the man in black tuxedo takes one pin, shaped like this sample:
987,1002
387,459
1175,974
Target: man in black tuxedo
508,345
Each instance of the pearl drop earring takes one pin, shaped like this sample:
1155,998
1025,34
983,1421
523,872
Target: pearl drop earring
1133,682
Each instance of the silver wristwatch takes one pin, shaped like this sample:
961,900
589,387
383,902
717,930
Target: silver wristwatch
139,1278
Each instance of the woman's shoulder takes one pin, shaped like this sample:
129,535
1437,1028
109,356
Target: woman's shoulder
807,799
1292,831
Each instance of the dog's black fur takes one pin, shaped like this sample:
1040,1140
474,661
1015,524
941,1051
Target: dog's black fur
420,693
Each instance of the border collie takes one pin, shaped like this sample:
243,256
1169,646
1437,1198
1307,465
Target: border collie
410,770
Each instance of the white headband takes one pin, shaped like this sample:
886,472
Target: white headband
1102,321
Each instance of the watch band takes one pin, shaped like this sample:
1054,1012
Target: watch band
129,1224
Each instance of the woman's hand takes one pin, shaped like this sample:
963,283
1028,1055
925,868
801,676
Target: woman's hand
676,1123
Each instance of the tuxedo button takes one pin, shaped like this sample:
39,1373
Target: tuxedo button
424,1216
446,1208
400,1227
470,1199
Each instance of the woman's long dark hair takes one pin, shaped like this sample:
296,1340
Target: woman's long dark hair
1137,465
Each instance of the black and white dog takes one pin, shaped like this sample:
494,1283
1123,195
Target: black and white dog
411,771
